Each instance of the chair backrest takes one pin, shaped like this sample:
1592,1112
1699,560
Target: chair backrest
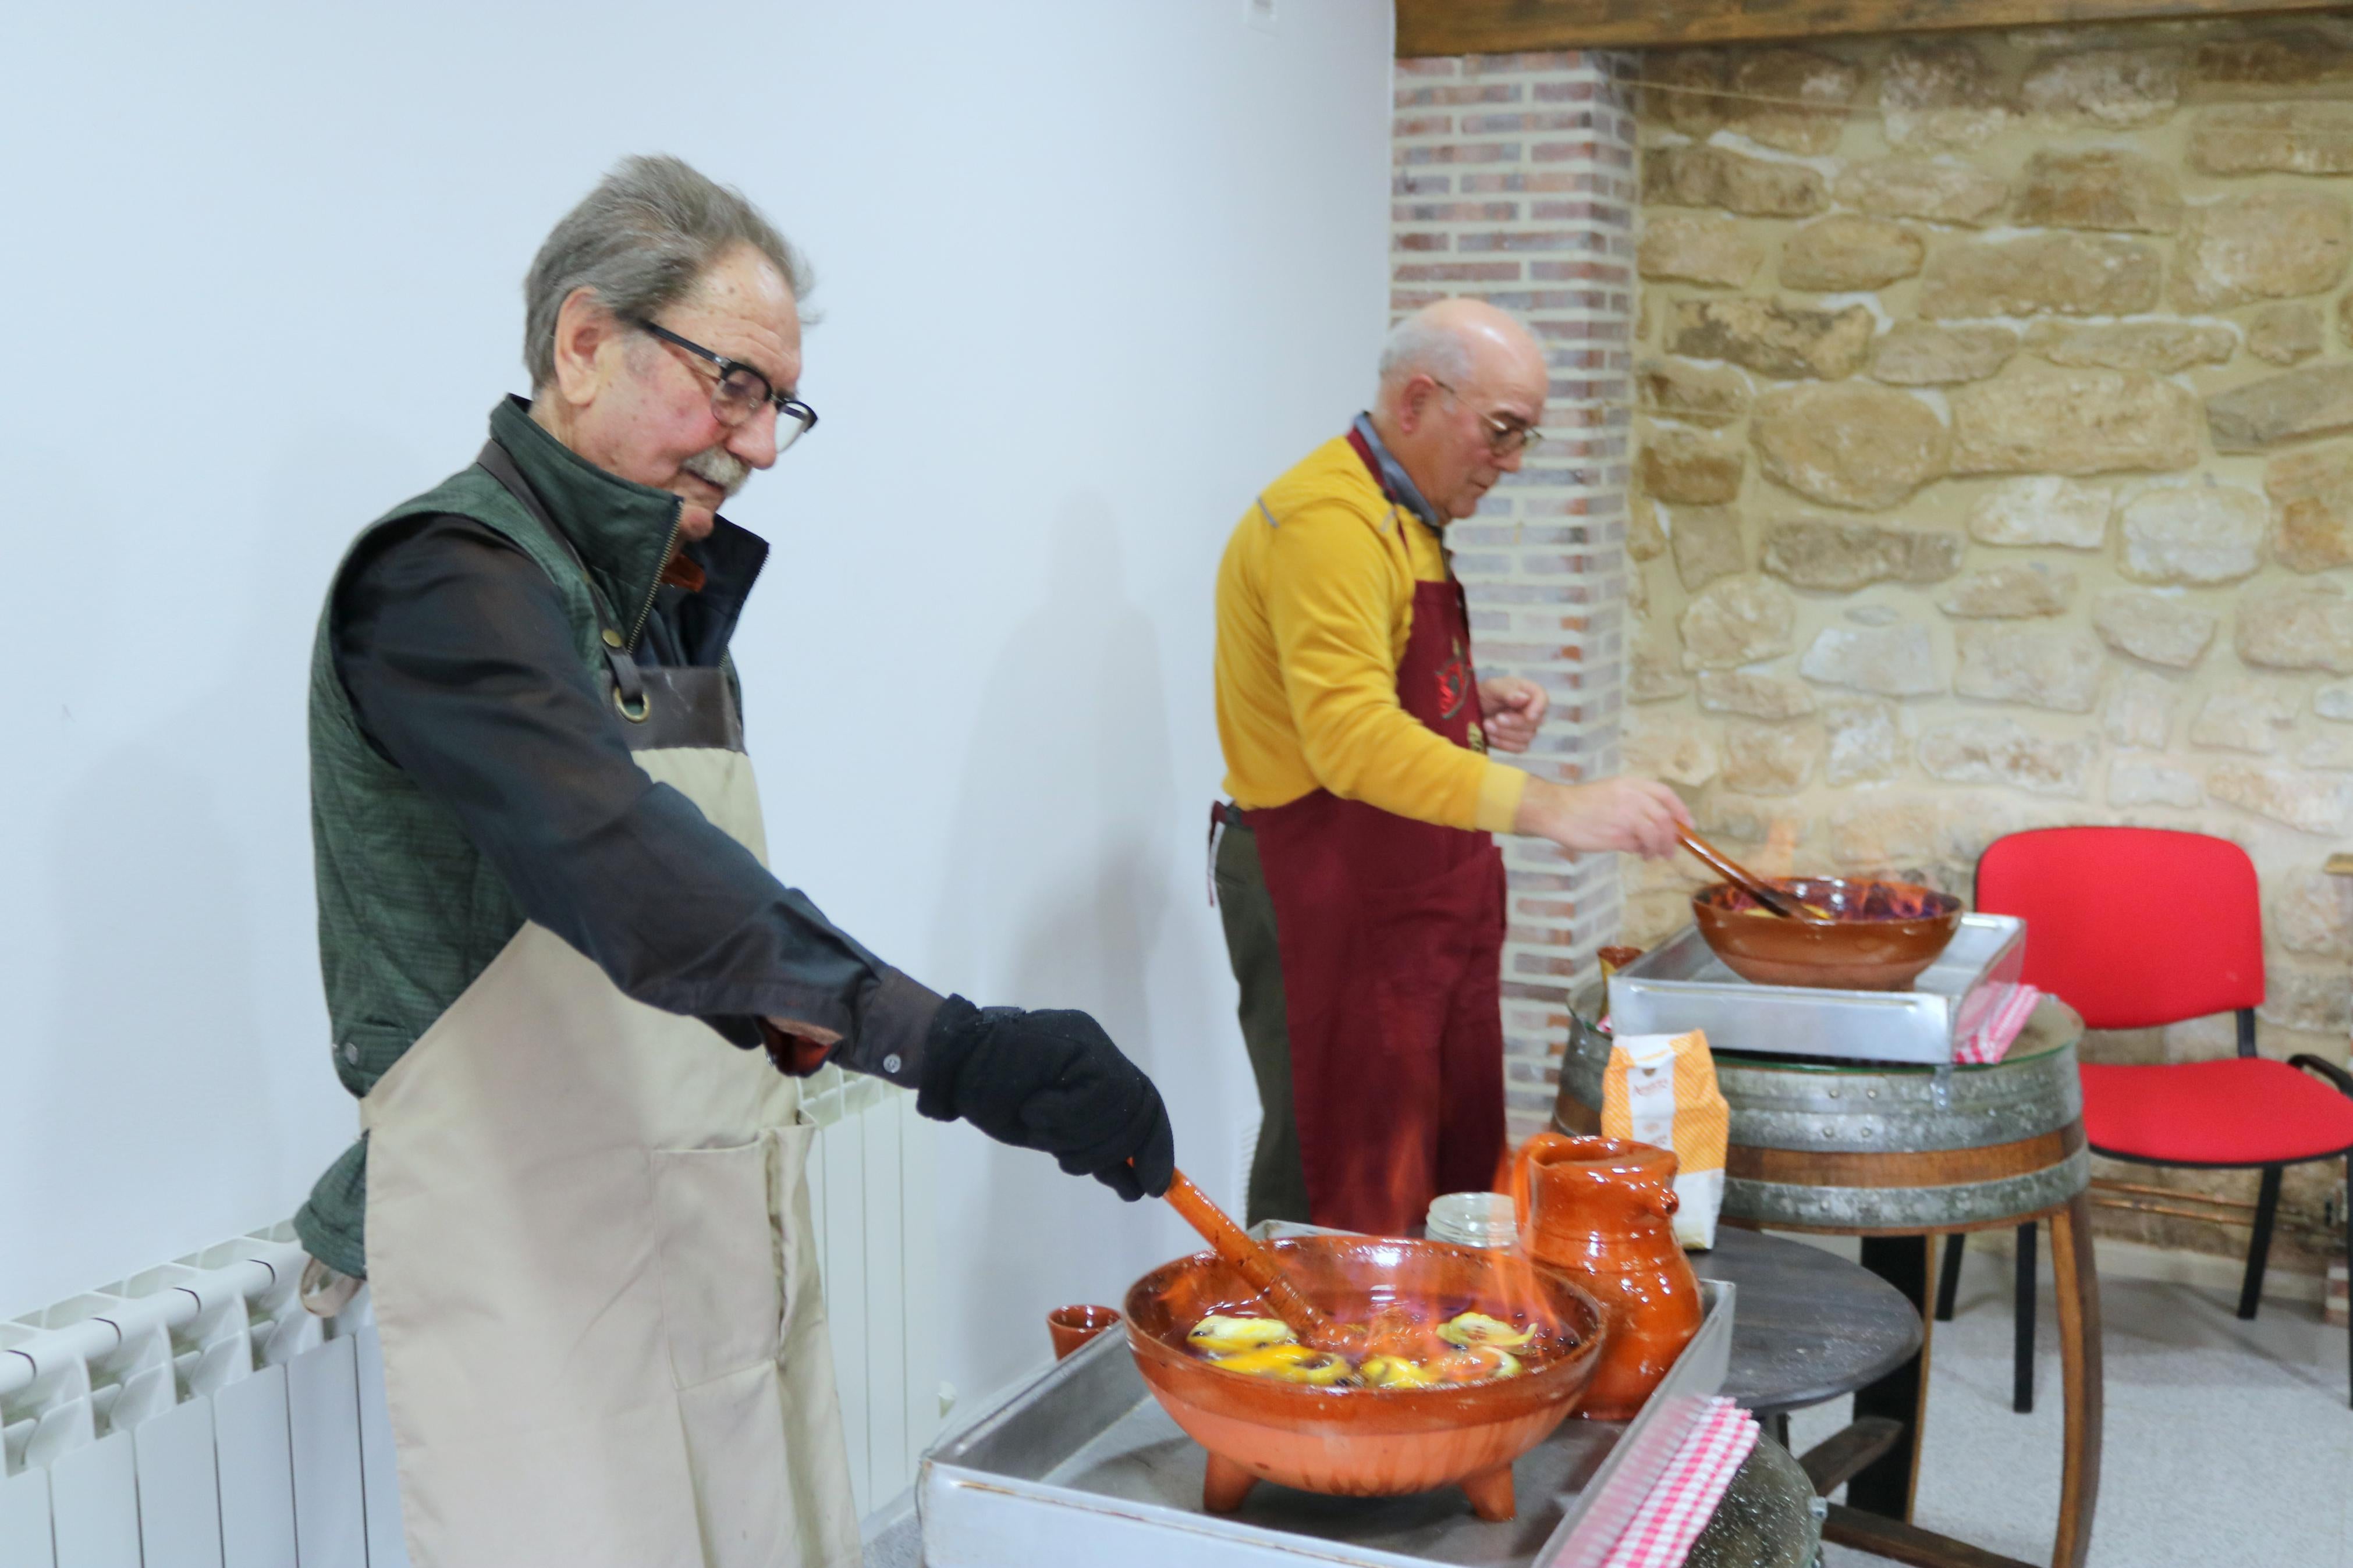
2132,927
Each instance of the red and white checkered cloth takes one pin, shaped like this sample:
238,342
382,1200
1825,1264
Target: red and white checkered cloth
1990,1039
1685,1499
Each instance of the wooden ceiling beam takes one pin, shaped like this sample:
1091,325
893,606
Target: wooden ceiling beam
1514,26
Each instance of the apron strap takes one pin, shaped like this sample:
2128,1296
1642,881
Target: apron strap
1223,813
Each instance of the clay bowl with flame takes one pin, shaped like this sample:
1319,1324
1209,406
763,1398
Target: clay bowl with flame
1364,1442
1880,937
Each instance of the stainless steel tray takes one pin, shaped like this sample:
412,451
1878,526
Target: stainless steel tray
1681,984
1081,1465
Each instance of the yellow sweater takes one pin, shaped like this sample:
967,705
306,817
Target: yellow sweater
1314,605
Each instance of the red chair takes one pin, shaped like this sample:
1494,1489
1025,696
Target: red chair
2136,927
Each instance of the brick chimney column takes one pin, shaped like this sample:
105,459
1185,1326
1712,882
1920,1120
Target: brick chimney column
1515,183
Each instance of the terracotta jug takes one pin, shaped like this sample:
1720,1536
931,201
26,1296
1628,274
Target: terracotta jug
1600,1211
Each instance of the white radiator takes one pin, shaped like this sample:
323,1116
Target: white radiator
195,1416
871,1186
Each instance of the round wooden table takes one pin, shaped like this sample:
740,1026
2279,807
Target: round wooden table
1807,1325
1895,1153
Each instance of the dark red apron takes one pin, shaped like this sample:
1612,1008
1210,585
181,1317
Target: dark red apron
1391,936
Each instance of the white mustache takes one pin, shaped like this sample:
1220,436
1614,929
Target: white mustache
718,466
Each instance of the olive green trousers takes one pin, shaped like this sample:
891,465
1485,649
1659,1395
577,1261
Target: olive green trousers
1278,1182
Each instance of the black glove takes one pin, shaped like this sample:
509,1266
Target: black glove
1052,1081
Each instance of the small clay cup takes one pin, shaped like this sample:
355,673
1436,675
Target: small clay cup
1074,1326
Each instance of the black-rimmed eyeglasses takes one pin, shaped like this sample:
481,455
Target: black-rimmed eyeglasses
740,390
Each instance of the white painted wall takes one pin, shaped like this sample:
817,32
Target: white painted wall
1092,274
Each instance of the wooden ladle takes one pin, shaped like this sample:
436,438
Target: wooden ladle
1255,1264
1774,899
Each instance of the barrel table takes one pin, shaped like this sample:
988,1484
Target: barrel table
1896,1153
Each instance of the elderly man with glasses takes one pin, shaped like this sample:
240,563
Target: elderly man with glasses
1362,897
573,999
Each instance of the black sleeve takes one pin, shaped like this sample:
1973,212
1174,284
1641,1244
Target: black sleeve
457,654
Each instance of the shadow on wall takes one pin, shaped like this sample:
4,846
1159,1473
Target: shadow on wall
185,1002
1059,893
150,896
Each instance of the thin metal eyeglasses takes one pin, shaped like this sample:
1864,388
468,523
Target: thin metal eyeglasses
1504,436
740,390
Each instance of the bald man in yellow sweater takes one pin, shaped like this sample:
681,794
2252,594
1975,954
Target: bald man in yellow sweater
1362,897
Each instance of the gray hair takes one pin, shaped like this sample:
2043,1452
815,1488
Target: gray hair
1418,345
640,240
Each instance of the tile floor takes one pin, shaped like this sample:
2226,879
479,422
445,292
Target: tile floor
2227,1443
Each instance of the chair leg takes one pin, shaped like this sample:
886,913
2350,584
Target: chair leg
1949,1277
2259,1251
2348,1235
2021,1390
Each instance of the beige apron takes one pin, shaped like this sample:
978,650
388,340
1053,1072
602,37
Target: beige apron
590,1245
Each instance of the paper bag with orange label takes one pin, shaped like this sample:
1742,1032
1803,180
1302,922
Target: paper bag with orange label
1660,1089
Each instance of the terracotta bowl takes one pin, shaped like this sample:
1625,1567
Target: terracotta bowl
1363,1442
1887,933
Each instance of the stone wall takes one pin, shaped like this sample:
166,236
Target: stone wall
1514,184
1995,460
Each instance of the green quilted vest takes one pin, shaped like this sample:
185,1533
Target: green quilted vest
409,912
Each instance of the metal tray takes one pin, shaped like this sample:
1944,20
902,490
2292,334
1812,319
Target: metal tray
1681,984
1081,1465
